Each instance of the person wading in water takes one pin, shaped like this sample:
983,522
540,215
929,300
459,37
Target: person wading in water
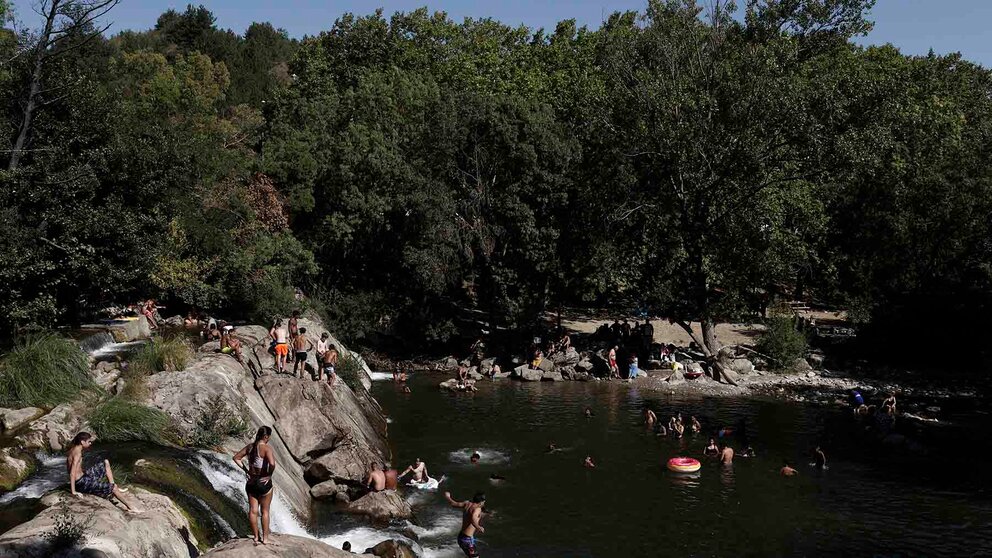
261,465
98,480
471,517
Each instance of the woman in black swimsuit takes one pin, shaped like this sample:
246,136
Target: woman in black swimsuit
261,465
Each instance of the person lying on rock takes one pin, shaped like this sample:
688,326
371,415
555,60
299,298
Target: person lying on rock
97,480
419,471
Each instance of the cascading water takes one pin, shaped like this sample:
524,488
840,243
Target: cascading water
95,342
49,475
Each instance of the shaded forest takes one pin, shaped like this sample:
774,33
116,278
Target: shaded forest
400,169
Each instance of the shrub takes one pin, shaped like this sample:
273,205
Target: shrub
43,371
348,369
158,355
782,342
120,420
216,422
68,531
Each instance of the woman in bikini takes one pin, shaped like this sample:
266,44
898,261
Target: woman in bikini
261,465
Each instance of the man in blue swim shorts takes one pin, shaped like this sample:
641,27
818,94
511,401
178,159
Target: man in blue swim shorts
471,516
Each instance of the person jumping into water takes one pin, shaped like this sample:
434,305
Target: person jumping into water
472,512
419,471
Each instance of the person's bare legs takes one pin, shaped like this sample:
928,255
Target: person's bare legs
110,474
121,498
265,502
253,518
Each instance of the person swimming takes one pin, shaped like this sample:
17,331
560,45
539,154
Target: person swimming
476,456
588,463
787,470
419,471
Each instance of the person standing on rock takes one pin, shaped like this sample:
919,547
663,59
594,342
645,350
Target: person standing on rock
280,337
471,522
98,480
261,465
294,328
328,362
612,359
322,345
301,347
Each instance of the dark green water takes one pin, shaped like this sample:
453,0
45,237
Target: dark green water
870,502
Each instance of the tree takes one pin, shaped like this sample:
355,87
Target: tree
68,24
719,124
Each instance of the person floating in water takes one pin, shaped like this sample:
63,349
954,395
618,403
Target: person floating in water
711,450
261,465
787,470
588,463
98,479
472,513
419,472
819,458
476,456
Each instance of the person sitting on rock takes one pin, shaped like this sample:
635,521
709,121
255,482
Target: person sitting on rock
230,345
462,375
392,476
376,479
97,480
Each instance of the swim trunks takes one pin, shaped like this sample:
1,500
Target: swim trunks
329,370
301,355
282,349
467,544
256,487
94,481
227,350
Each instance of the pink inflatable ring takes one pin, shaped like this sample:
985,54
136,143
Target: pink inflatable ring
683,465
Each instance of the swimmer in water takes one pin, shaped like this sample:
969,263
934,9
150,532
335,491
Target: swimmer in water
419,471
787,470
588,463
649,417
406,389
748,452
819,458
476,456
711,450
552,447
726,454
587,412
495,477
696,427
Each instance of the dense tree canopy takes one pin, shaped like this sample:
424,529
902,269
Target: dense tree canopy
406,170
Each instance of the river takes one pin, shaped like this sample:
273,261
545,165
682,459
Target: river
869,501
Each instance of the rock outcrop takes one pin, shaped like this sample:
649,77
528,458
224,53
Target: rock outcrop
387,504
391,549
320,432
15,466
282,546
161,530
12,419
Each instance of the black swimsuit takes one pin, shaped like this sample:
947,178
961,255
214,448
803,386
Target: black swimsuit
258,485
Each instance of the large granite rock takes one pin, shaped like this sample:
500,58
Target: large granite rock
568,357
552,376
15,466
384,505
54,431
347,463
12,419
531,375
161,530
392,549
283,546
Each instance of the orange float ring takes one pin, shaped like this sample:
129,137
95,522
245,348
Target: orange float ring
683,465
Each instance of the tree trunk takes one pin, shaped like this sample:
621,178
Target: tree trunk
31,103
711,349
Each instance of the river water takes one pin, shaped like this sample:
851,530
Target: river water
870,500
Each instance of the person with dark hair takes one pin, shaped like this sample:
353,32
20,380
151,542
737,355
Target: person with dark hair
261,465
419,472
97,480
392,476
328,362
472,512
294,328
301,347
346,546
376,479
280,339
711,450
726,454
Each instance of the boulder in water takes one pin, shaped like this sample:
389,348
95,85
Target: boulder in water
530,375
14,468
162,530
384,505
283,546
54,431
552,376
392,549
326,489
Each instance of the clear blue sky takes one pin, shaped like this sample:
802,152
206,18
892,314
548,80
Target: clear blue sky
915,26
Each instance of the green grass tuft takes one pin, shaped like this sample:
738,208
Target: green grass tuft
120,420
158,355
43,370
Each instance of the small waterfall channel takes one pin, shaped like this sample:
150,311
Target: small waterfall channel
101,345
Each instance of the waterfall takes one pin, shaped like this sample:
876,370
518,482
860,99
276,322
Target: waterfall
49,475
97,341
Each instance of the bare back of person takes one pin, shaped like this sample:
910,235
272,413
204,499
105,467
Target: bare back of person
470,518
377,480
727,456
280,335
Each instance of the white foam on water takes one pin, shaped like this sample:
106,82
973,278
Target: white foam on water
367,537
115,348
489,456
445,526
49,475
381,376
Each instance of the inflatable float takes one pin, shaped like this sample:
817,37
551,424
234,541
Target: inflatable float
430,484
683,465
